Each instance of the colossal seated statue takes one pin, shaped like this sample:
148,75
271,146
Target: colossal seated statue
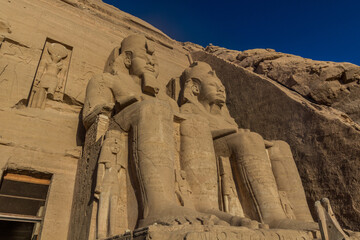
129,94
190,165
266,172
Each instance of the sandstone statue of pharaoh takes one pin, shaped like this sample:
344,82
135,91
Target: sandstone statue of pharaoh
265,170
128,93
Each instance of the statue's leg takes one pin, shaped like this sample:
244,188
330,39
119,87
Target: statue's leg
154,155
252,160
288,179
39,98
103,214
199,162
114,177
42,97
114,200
52,82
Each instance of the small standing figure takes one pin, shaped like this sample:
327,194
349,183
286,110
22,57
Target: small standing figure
182,189
49,82
111,165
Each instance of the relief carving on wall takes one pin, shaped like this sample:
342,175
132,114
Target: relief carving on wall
51,75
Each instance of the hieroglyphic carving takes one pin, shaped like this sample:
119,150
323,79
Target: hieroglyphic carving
14,84
51,76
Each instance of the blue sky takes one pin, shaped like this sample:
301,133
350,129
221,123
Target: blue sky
326,30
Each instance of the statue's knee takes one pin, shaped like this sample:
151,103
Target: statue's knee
255,137
147,105
280,148
247,142
281,144
281,152
249,137
155,106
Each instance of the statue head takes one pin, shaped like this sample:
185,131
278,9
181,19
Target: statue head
136,54
199,82
57,52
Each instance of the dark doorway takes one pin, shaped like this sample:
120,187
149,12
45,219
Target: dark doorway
16,230
22,204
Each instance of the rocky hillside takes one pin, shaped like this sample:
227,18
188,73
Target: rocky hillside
326,83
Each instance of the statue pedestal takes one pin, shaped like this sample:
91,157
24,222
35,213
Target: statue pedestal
200,232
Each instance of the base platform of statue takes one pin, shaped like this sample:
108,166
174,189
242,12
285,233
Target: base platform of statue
201,232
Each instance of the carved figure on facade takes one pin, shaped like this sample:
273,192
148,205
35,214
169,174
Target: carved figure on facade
111,165
182,189
229,197
51,76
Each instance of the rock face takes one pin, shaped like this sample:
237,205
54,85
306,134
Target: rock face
49,51
326,83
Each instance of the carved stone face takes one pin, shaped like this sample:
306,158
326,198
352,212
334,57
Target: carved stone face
143,61
57,52
200,81
140,58
212,91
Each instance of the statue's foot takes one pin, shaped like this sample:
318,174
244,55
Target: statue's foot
247,222
294,224
177,215
244,222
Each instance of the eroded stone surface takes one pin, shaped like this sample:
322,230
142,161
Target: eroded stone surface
327,83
